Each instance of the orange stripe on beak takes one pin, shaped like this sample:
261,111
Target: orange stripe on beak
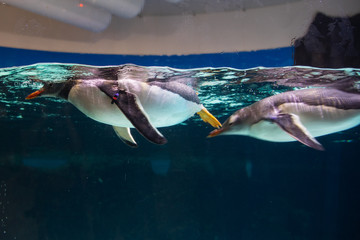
215,132
35,94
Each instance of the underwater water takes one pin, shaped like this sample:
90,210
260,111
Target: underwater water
65,176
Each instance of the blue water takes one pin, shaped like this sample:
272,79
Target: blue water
65,176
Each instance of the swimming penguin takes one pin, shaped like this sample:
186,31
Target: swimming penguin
295,115
128,103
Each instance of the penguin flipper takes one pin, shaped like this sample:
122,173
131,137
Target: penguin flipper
124,134
291,124
206,116
129,105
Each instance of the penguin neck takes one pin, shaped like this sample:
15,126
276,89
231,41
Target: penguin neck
64,92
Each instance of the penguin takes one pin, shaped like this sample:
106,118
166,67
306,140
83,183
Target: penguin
298,115
128,103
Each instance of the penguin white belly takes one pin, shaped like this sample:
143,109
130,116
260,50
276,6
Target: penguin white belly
163,108
166,108
322,120
97,105
318,120
269,131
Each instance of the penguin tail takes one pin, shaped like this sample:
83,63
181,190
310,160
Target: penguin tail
207,117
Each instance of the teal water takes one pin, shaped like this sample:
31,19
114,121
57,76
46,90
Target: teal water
65,176
223,90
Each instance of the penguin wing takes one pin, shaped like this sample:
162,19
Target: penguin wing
128,103
124,134
291,124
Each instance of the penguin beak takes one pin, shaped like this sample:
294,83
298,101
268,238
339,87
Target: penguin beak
35,94
216,132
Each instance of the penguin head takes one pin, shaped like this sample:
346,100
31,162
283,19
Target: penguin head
50,89
237,124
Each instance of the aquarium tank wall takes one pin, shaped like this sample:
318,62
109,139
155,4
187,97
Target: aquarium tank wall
179,119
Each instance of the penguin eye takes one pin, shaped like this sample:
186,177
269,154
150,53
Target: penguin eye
51,84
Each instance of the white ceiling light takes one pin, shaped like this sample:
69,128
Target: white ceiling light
120,8
72,12
174,1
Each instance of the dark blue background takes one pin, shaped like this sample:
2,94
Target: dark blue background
268,58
